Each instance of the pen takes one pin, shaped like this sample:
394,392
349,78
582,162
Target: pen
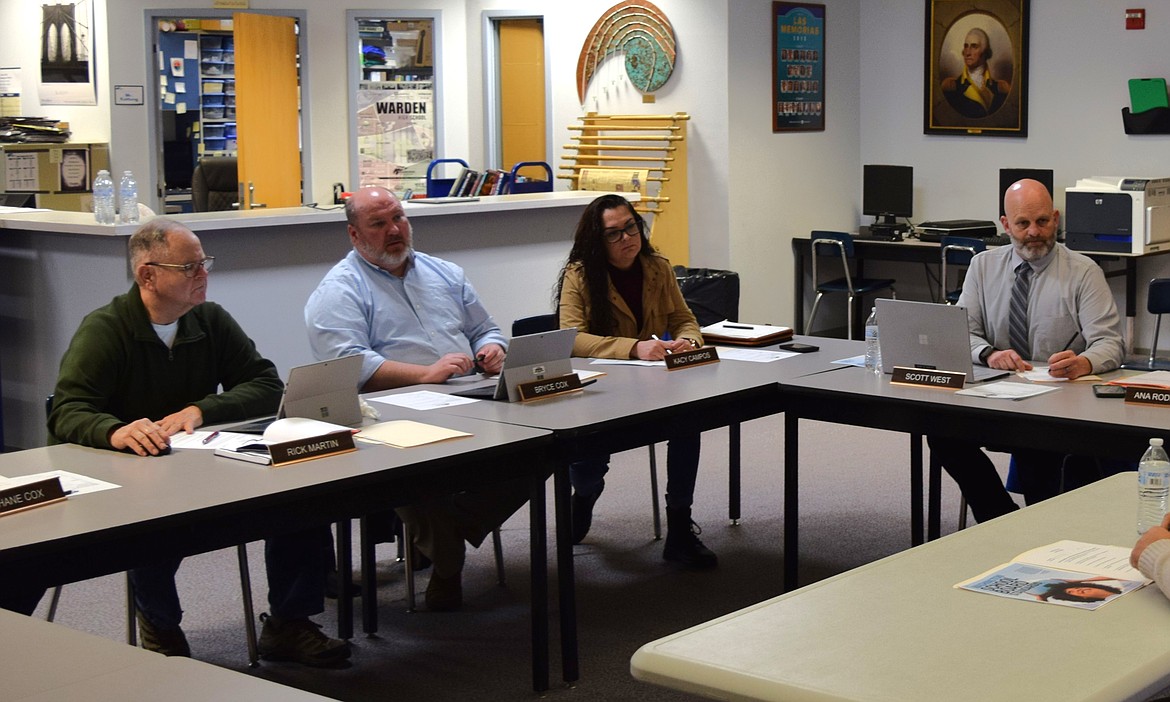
1068,344
655,337
737,326
210,437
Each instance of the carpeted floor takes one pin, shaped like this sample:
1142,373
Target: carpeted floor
854,509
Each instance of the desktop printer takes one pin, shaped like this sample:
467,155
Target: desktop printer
977,228
1122,215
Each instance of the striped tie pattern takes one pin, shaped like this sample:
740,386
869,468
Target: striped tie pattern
1018,312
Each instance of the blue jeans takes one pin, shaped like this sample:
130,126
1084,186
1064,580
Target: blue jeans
296,565
682,468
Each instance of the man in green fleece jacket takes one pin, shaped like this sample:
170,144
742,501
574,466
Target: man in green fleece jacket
149,365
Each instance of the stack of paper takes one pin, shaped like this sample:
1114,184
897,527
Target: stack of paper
738,334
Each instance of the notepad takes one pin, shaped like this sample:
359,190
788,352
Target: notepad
742,334
404,433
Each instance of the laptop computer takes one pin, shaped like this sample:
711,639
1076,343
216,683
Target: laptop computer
928,335
326,390
530,357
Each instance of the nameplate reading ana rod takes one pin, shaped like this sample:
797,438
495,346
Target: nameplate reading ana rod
689,359
29,495
1147,396
314,447
928,378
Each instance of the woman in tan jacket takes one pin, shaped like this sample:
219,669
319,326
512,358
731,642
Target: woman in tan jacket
623,299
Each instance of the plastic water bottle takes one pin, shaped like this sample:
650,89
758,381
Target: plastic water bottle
1153,486
873,351
103,198
128,198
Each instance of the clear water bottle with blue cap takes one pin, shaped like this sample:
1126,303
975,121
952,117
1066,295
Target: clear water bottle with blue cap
1153,486
873,350
103,198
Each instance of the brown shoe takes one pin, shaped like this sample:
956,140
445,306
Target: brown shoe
445,594
300,641
169,642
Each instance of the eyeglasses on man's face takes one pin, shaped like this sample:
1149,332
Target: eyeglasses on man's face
613,236
189,269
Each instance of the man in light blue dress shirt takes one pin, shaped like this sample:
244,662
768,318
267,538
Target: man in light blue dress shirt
414,319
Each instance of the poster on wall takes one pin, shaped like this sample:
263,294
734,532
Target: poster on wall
976,68
798,67
395,134
67,67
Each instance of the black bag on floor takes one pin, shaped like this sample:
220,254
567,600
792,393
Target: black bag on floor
713,295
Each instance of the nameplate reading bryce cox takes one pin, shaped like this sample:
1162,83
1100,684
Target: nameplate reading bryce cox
928,378
548,387
28,495
695,357
312,447
1147,396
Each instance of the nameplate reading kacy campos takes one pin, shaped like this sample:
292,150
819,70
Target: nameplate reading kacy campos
926,378
28,495
560,385
1147,396
313,447
695,357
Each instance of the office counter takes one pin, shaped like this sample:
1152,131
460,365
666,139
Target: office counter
56,267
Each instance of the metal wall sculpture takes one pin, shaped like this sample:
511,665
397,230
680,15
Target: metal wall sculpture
641,32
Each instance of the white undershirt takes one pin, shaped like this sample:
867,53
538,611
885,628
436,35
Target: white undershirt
167,332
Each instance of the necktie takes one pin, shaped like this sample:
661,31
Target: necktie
1018,312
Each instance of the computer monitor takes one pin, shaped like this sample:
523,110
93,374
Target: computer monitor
1007,176
887,192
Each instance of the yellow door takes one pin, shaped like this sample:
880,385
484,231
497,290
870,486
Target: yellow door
522,126
267,111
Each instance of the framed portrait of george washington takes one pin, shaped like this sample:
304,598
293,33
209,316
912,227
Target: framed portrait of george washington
976,68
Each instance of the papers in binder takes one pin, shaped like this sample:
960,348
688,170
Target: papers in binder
740,334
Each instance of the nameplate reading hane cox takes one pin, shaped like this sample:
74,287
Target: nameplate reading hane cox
928,378
29,495
549,387
1147,396
695,357
313,447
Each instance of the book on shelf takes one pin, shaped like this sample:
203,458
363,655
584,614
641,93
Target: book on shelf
458,183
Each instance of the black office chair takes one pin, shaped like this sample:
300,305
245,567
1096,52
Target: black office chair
838,245
132,608
215,185
956,251
1158,304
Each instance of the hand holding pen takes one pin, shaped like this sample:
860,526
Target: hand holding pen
1067,364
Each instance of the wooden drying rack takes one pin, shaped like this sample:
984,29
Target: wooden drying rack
630,143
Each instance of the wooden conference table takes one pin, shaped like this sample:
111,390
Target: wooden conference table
192,501
43,662
896,630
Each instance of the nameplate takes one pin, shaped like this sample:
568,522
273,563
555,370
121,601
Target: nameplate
695,357
549,387
1147,396
314,447
927,378
29,495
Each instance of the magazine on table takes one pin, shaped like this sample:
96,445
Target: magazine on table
1067,573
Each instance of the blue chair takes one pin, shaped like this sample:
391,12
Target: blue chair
956,251
1157,303
839,246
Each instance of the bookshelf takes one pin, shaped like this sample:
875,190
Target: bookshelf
217,88
637,153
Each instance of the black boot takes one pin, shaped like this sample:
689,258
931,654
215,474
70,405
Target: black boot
682,541
582,512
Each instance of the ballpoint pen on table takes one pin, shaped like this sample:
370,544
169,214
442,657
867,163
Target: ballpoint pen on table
727,325
208,439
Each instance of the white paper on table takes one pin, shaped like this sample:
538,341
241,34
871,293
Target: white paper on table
297,428
71,483
224,439
738,353
587,374
858,361
423,400
626,362
1006,390
403,433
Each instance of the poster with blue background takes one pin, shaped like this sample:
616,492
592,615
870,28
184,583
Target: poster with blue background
798,74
